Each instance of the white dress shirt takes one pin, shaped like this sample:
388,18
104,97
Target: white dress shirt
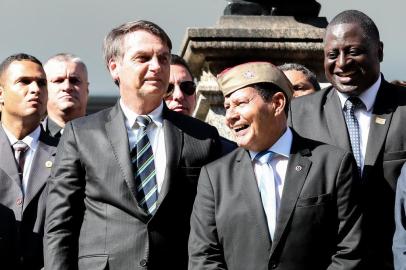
32,141
155,133
363,115
279,166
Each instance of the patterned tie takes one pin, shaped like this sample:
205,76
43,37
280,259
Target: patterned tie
20,148
269,193
143,161
350,106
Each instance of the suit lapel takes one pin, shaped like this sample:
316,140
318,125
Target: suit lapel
8,163
248,185
335,121
117,135
298,167
173,145
380,122
40,169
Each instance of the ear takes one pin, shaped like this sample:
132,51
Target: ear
1,96
114,69
279,101
380,51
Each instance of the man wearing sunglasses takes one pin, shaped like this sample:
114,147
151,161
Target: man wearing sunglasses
181,93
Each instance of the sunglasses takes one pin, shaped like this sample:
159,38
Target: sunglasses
187,87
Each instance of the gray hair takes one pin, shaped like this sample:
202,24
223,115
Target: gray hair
67,57
113,42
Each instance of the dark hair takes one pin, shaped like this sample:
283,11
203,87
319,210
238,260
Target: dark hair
113,42
177,60
311,77
359,18
16,57
267,90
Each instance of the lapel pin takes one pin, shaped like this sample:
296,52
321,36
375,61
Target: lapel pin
298,168
380,121
48,164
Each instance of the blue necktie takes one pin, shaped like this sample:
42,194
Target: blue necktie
268,190
351,104
145,175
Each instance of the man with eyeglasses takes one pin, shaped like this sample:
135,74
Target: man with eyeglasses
181,94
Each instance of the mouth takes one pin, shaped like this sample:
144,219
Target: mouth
238,129
345,77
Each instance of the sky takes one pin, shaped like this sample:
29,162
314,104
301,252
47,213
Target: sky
46,27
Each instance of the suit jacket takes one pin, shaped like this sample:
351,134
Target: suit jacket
22,217
319,117
318,225
399,239
51,128
93,218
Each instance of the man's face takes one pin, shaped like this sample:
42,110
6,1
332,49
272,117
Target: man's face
301,84
255,123
180,101
67,87
143,70
24,90
351,61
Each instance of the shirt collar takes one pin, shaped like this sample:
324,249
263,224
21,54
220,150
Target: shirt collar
31,139
281,146
367,97
130,116
53,127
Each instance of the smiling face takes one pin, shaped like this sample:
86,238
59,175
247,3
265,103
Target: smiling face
351,61
180,101
255,123
67,88
23,91
300,83
142,71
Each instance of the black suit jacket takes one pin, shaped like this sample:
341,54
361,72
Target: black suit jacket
319,220
93,218
22,217
319,117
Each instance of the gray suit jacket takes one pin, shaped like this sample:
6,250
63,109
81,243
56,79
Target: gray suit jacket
399,239
93,218
22,217
319,220
319,117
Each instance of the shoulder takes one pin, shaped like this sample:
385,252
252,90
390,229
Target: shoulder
229,160
93,120
190,125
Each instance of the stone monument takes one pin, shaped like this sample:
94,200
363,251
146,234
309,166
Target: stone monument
276,31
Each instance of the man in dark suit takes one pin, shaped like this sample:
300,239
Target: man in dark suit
363,113
123,185
68,91
26,159
279,201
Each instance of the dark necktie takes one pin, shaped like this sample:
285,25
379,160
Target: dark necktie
350,106
145,175
20,148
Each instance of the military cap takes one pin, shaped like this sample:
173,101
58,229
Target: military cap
240,76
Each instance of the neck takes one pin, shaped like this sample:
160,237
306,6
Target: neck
141,106
62,118
19,127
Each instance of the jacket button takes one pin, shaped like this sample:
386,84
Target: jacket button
274,265
143,262
19,201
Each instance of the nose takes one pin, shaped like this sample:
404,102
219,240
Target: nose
342,60
35,88
154,64
66,86
177,93
231,116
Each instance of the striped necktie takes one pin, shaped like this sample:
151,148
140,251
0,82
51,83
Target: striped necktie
143,162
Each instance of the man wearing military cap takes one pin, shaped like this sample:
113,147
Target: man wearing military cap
278,201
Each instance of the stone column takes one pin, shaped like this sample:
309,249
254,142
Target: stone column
238,39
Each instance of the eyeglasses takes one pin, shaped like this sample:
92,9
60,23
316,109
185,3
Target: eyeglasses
187,87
